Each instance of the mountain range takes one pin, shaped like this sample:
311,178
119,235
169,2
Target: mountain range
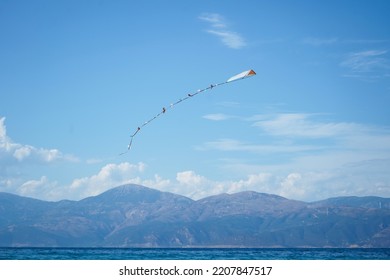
137,216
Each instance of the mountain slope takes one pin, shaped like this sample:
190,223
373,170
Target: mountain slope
136,216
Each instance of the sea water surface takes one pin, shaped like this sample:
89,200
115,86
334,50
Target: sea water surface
192,254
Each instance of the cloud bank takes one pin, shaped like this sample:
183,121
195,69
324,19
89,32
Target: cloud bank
340,159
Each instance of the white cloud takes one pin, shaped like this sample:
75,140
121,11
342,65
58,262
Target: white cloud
290,186
18,160
306,186
190,178
345,136
368,65
294,134
157,182
216,20
231,39
233,145
301,125
15,153
217,117
304,141
22,153
220,29
195,186
34,187
109,176
3,131
261,182
366,61
190,184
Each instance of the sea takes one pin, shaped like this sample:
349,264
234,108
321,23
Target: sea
193,254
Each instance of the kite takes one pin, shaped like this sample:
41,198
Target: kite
237,77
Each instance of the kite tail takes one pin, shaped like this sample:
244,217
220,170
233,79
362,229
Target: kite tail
237,77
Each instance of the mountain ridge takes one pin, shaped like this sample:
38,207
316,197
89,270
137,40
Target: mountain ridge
138,216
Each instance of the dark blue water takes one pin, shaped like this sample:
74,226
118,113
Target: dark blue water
191,254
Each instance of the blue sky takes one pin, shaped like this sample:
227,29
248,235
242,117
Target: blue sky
78,77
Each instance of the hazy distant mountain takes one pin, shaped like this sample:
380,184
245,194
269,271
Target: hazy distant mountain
136,216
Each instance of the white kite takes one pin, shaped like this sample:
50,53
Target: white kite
237,77
242,75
